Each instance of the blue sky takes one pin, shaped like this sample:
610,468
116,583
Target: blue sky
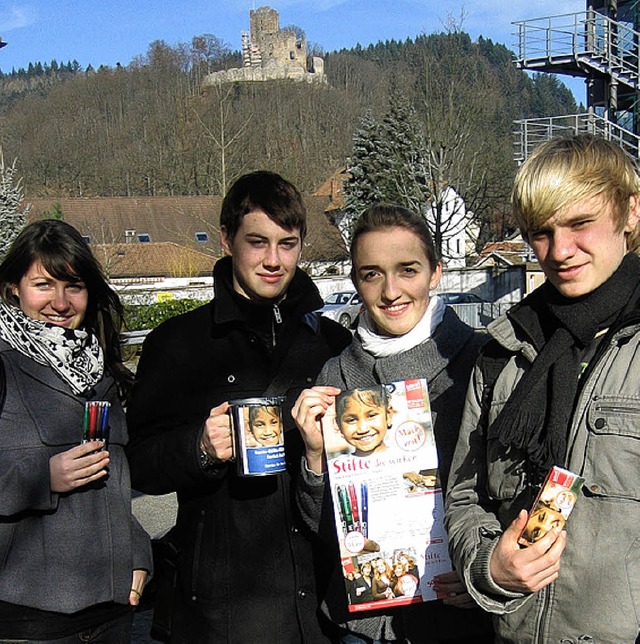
111,31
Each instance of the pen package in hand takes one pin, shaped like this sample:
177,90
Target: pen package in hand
95,423
553,505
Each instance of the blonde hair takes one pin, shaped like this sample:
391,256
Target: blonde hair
565,170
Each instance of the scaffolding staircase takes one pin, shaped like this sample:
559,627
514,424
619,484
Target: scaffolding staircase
581,44
585,44
533,132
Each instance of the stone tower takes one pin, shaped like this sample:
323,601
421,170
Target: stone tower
269,53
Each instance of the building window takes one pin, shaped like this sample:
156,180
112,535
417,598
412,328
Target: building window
144,238
203,238
86,239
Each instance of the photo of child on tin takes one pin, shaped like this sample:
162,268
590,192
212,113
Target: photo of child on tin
265,426
363,417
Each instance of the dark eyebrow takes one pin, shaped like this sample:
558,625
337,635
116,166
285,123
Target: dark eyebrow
368,267
265,237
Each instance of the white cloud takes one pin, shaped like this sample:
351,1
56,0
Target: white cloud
17,17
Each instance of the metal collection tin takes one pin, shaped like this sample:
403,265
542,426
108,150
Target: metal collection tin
258,435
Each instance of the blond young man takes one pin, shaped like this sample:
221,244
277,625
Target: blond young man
559,385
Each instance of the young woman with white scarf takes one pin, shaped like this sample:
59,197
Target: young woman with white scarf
403,333
73,559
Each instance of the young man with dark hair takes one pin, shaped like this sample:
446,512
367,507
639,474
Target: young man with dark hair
244,570
559,385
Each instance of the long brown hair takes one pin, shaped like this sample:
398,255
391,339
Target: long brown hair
65,255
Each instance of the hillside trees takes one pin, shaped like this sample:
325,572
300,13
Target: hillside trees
149,128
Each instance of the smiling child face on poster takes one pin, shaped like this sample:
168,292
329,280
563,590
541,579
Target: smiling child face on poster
363,418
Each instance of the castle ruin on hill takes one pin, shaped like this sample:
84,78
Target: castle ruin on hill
269,53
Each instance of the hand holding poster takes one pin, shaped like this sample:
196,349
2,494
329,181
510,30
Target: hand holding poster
383,472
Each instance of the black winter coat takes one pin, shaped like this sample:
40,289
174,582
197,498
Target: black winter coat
245,567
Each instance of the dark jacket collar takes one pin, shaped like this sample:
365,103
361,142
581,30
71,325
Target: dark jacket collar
230,307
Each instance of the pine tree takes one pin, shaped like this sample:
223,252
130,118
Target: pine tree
12,218
397,161
366,168
406,156
388,163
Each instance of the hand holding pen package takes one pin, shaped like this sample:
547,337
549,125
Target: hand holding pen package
95,422
388,503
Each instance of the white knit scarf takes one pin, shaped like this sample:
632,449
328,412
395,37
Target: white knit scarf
74,354
381,346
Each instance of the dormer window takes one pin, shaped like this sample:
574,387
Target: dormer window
144,238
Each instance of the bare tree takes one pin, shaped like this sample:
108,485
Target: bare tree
222,131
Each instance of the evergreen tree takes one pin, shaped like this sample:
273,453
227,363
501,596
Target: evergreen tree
406,156
398,162
366,167
12,218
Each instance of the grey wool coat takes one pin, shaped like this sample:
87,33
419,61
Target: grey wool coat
446,361
61,552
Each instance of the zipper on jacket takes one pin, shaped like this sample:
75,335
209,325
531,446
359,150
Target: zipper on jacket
277,316
196,557
618,409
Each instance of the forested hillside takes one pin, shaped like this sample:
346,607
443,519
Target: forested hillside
148,128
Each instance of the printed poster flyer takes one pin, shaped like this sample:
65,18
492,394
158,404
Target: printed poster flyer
387,498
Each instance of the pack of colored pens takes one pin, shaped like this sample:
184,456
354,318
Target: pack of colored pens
95,422
388,504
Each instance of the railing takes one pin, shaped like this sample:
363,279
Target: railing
587,37
479,315
131,338
533,132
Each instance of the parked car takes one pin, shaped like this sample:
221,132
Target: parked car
460,298
343,307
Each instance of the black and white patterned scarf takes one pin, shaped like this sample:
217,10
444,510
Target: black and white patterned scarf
74,354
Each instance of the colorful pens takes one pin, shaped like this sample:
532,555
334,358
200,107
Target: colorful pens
353,498
95,421
364,509
354,513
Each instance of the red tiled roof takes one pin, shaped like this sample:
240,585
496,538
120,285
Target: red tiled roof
165,219
333,188
106,220
162,259
511,246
